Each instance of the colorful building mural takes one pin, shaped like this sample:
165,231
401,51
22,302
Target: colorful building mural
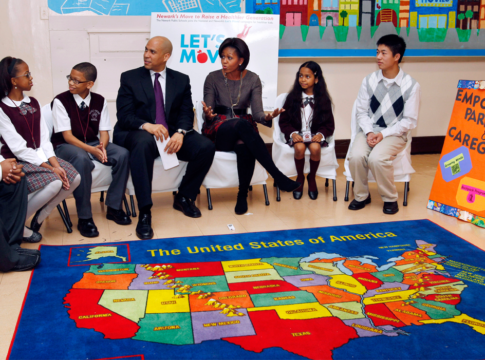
314,12
330,16
349,13
468,14
294,12
265,7
429,14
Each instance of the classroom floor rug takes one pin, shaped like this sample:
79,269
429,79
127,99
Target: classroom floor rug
395,290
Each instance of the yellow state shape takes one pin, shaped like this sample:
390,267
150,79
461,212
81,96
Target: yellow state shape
390,297
321,268
297,311
440,267
348,283
242,265
163,301
449,288
477,325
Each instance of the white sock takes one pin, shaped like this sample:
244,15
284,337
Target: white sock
27,232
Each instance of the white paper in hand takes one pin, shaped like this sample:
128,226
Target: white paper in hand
168,160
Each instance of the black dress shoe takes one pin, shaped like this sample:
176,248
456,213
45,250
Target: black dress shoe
87,228
241,204
26,262
144,229
34,224
187,206
313,194
27,251
357,205
118,216
297,195
390,208
286,184
34,238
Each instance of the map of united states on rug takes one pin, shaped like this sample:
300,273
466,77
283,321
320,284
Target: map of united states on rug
306,305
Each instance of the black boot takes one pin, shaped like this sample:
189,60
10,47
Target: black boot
245,171
258,149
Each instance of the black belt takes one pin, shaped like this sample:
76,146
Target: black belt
227,111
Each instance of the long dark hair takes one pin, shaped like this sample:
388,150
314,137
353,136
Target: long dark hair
8,69
323,101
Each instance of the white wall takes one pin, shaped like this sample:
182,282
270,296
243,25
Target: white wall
26,36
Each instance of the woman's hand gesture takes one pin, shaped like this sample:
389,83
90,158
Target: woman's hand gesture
275,113
209,115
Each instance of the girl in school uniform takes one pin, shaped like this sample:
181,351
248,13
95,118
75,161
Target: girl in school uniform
24,136
307,122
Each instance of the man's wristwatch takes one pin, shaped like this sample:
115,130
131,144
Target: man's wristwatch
182,131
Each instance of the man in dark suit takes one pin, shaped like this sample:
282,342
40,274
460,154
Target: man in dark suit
154,100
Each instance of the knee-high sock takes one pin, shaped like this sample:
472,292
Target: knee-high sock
43,196
300,167
245,167
61,195
312,184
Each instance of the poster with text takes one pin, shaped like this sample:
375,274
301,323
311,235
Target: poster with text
459,184
196,39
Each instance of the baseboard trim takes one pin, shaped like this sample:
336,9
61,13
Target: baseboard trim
420,145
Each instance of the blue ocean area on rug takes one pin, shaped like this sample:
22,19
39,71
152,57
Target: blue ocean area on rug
358,291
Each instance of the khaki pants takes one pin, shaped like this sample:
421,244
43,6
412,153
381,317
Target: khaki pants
378,160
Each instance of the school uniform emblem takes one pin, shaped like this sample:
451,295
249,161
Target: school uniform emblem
94,115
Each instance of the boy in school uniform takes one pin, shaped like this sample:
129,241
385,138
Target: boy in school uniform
387,109
79,116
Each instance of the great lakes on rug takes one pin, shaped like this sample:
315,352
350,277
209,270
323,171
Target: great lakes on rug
395,290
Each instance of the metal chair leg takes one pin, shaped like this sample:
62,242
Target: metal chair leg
278,195
66,224
266,199
209,200
101,197
133,211
347,185
406,189
126,206
326,182
66,213
334,184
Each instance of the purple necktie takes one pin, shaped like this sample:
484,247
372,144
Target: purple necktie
160,108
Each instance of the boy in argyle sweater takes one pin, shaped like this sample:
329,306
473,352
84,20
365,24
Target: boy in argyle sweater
387,109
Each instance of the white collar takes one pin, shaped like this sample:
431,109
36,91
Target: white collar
162,73
397,79
14,103
303,95
79,99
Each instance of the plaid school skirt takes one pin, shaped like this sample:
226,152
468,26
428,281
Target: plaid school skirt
210,129
38,177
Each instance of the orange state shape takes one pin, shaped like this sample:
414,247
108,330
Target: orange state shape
328,260
105,282
357,267
433,280
411,278
406,313
410,257
236,298
329,295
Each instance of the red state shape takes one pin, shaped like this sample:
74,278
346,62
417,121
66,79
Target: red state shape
452,299
84,307
312,338
430,279
381,315
179,270
263,287
369,281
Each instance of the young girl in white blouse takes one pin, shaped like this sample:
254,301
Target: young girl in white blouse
24,136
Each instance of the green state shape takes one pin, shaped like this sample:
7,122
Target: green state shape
320,268
220,283
133,310
277,263
353,306
381,275
180,336
450,311
437,256
252,275
112,269
271,299
431,290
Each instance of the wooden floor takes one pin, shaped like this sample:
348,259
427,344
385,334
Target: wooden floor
287,214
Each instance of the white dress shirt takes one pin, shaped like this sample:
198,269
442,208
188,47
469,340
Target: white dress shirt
306,117
1,159
62,121
16,142
410,112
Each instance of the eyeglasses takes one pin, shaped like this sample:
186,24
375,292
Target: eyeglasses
75,82
28,75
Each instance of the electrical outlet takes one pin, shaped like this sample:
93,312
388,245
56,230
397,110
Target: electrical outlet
44,13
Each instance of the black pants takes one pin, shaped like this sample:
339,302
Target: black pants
13,209
239,135
196,149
